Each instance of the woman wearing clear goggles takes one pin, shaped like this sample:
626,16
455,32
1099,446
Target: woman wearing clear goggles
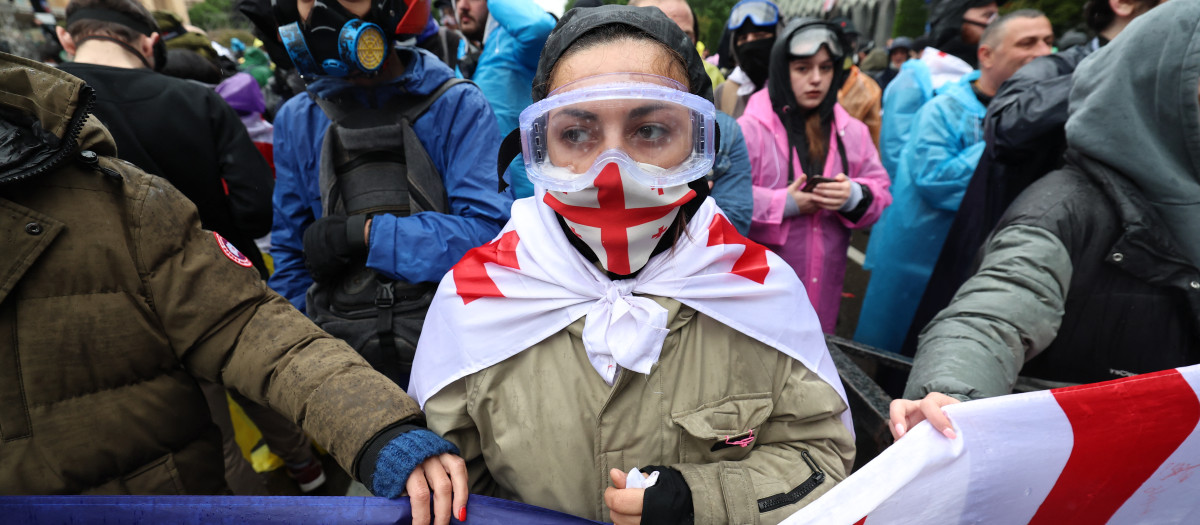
620,352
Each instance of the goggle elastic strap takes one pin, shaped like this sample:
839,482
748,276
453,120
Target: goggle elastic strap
510,147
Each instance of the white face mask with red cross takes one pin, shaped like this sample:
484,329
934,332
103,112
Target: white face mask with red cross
619,218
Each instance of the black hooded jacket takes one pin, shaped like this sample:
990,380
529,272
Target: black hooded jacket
945,28
783,98
1024,138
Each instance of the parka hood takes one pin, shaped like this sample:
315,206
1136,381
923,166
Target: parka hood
1134,108
577,22
43,118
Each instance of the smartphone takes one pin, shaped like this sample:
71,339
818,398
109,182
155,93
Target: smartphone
813,182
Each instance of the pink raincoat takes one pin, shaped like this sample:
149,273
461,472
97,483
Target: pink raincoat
814,244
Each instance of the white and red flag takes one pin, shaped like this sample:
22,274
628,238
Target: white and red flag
1124,451
530,283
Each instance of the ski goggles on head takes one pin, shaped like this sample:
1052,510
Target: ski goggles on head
649,125
759,13
808,40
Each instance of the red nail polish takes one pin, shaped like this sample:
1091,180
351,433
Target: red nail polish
462,514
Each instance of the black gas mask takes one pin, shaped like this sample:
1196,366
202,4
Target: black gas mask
332,41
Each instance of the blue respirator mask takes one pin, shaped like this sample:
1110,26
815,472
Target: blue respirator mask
334,42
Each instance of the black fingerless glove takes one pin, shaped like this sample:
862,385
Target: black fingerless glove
669,501
332,243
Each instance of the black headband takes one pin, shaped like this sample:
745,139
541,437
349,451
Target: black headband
108,15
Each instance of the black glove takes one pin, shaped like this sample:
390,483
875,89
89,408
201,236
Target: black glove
669,501
332,243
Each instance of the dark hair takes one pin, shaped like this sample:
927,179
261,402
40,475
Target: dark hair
610,33
695,24
88,27
995,29
1099,15
190,65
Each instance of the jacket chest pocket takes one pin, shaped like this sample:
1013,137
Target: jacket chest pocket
723,430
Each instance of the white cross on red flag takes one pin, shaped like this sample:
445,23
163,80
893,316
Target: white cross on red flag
1124,451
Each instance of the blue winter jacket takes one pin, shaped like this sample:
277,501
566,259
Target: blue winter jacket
732,188
506,67
935,168
905,94
459,133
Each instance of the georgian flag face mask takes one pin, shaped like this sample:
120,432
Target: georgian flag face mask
620,218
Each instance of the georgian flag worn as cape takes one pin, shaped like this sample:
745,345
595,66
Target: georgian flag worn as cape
530,283
1124,451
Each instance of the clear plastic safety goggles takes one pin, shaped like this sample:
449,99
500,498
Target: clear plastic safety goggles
760,12
808,40
649,125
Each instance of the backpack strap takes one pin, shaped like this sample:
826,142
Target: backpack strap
414,112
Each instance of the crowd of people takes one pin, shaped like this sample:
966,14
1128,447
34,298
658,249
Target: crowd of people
474,248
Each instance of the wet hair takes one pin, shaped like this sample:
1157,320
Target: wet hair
1098,15
89,27
676,66
993,34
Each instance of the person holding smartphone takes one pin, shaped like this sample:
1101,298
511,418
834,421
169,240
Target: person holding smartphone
816,171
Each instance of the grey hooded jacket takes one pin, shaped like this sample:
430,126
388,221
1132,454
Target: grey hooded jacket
1092,274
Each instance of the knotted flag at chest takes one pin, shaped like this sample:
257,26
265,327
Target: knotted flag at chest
530,283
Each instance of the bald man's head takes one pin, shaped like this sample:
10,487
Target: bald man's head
678,11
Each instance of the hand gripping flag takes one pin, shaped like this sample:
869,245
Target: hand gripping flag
1124,451
530,283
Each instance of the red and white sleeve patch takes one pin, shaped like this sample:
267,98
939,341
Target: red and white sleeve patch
231,251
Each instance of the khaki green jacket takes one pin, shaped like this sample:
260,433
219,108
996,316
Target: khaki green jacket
112,298
542,427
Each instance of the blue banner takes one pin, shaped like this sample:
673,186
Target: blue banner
196,510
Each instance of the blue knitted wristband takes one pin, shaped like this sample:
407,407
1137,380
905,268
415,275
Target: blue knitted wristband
401,455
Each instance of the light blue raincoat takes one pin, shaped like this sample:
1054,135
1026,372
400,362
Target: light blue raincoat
934,170
903,97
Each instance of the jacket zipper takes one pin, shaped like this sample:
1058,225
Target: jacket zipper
70,138
782,500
